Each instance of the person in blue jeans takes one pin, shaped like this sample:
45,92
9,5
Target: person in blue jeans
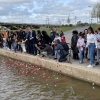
92,45
80,46
59,49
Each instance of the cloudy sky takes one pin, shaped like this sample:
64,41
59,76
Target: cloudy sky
37,11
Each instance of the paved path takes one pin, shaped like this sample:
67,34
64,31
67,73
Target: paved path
68,36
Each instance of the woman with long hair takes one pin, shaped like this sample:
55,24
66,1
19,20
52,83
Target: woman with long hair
85,40
91,44
9,40
46,38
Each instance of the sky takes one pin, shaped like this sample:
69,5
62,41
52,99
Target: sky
38,11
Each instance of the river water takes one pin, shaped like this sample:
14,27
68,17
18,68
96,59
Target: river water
23,81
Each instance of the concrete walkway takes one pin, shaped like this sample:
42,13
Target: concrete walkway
68,36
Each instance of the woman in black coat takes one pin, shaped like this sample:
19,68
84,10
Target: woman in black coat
46,39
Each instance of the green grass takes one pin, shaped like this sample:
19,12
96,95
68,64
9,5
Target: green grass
64,29
95,27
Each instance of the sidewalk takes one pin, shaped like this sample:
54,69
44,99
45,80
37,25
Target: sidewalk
68,36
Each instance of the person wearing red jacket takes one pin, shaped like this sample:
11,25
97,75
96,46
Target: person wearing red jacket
63,39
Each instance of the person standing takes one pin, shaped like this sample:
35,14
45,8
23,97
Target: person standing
98,46
21,36
74,40
9,40
85,41
32,41
1,40
80,46
27,38
91,44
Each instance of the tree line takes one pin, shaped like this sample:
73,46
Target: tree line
96,12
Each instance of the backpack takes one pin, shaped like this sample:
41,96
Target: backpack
65,46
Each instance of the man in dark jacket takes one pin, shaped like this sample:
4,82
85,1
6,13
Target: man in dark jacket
59,49
32,41
27,38
74,40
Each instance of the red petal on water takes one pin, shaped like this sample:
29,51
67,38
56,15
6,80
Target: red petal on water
54,82
60,71
94,96
62,80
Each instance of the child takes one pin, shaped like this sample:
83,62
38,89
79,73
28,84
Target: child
63,39
23,47
80,46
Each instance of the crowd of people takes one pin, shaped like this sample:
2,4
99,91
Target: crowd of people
36,43
85,44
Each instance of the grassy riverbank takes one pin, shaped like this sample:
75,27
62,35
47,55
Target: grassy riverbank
64,29
95,27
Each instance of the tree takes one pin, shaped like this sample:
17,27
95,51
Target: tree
68,19
96,11
79,23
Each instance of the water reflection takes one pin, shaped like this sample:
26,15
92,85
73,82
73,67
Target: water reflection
22,81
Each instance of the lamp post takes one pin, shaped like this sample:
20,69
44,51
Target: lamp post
86,17
91,21
59,24
12,18
22,17
75,20
47,22
89,14
63,21
73,17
